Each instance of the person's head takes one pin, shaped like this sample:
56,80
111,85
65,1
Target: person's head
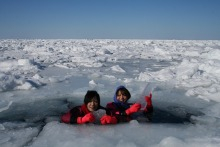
122,94
92,100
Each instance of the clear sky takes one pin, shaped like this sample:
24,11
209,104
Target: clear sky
110,19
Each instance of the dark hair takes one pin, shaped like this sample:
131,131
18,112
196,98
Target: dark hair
124,91
90,95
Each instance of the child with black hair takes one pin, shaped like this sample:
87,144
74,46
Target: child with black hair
84,113
122,110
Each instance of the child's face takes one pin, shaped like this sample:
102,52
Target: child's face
121,97
93,105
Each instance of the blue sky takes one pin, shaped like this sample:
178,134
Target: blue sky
110,19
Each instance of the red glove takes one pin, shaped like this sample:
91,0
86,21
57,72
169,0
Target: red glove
134,108
106,119
149,107
148,100
87,118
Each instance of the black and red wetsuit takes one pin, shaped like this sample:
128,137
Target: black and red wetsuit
118,109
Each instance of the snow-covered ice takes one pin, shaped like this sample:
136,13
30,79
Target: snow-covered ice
42,79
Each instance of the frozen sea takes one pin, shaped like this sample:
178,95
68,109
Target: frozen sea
42,79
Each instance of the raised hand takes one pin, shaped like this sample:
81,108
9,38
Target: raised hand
149,106
148,99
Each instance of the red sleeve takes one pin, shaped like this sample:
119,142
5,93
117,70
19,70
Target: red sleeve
66,117
71,116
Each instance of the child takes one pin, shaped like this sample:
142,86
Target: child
122,110
83,114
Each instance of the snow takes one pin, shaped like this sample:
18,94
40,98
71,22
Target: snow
42,79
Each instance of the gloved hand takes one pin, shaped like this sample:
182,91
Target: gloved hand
106,119
134,108
87,118
149,106
148,100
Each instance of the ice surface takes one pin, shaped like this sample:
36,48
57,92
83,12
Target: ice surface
41,79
